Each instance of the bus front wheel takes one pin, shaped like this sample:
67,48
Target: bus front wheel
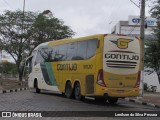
69,90
36,87
77,92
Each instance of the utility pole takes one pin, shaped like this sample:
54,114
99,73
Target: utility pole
23,6
23,15
23,31
142,28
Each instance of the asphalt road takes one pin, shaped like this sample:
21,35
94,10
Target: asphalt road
49,101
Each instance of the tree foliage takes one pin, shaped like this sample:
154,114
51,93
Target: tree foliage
21,33
152,57
48,27
152,50
8,68
155,10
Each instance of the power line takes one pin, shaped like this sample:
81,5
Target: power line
113,15
135,3
8,4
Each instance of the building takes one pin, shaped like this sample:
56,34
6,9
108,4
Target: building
132,26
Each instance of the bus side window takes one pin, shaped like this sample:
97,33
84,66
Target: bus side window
91,47
27,68
71,52
39,57
46,54
81,50
30,64
54,55
62,54
34,57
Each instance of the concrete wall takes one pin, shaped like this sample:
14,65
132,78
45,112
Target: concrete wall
152,79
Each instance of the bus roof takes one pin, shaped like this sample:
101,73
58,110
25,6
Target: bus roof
42,44
66,40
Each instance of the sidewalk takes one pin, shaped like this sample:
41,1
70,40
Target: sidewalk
149,98
153,98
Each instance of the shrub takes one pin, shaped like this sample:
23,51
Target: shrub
145,86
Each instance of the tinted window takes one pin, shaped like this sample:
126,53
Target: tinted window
91,47
34,56
45,54
48,53
55,52
71,52
62,54
81,50
39,58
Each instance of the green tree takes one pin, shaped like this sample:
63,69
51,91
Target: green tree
47,27
152,57
21,33
8,68
16,34
152,52
155,10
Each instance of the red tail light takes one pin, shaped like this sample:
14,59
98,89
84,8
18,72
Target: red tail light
138,80
105,34
121,35
100,79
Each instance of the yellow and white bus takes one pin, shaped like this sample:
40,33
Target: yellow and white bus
104,66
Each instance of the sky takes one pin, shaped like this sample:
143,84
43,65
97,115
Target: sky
85,17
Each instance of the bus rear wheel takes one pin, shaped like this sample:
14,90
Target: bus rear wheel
77,92
68,90
112,100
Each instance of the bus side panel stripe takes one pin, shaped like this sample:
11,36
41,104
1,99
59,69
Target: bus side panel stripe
51,74
46,74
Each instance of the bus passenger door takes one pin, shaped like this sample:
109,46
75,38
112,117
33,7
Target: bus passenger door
27,68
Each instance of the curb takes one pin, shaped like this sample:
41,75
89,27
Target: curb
13,90
142,103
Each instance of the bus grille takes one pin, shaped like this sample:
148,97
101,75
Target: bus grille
121,64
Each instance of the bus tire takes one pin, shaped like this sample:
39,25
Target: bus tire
112,100
36,87
77,92
68,90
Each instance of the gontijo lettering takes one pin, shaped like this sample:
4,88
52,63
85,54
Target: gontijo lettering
69,67
121,56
